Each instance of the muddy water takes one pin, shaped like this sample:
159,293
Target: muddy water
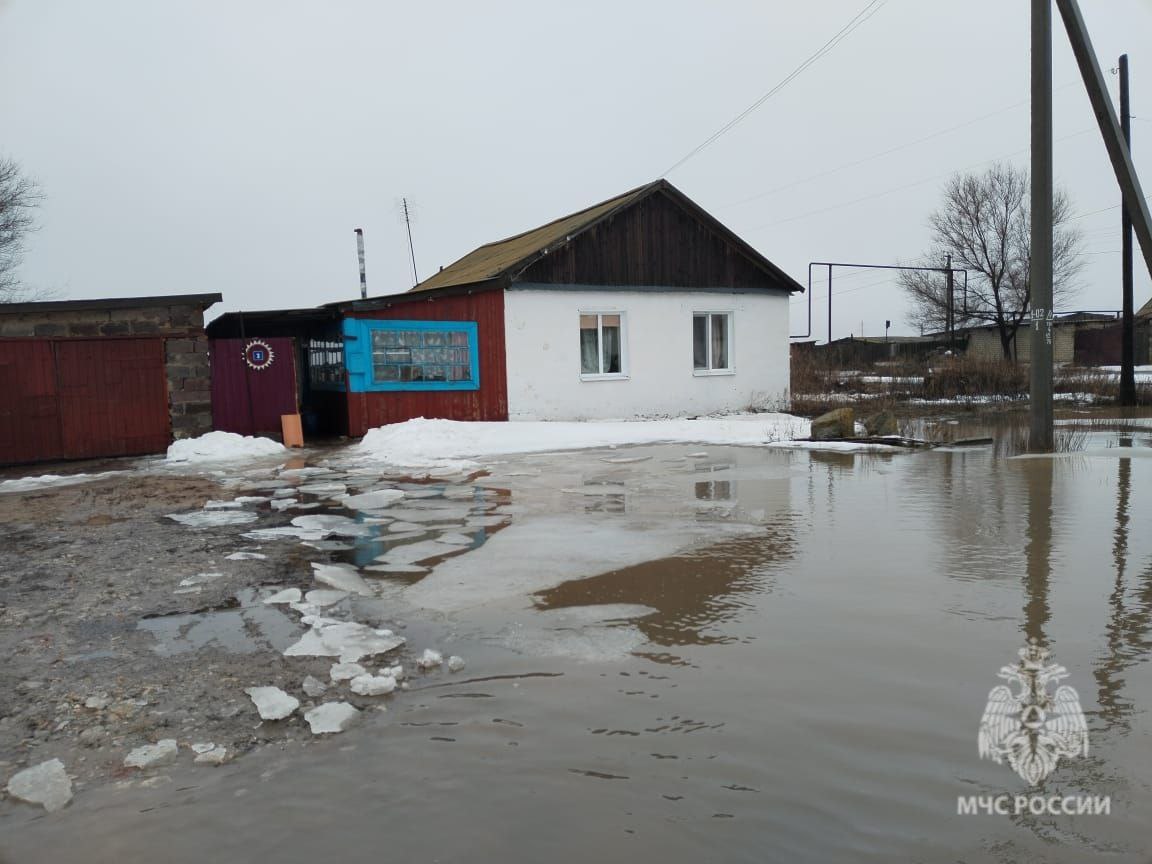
717,654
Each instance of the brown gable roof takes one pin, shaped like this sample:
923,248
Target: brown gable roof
509,257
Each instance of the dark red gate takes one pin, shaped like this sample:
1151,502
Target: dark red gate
253,384
82,398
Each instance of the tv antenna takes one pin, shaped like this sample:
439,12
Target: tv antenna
407,211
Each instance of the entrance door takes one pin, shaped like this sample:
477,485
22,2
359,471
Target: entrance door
253,384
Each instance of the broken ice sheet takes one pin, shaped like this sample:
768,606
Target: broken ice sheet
347,640
372,500
245,556
331,717
199,579
287,595
342,577
150,755
46,784
340,525
212,518
272,703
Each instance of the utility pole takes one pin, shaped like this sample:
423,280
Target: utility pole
411,250
1127,328
951,304
1040,277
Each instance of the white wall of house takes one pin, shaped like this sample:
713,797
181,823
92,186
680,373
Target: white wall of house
542,332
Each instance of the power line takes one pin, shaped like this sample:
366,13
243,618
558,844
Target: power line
859,18
884,153
906,186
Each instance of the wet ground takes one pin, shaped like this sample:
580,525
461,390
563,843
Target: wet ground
674,653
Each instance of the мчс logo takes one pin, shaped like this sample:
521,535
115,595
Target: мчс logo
1031,727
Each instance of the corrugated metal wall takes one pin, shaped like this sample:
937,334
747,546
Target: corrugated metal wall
250,401
490,402
82,398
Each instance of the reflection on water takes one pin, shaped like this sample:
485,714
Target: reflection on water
822,633
694,594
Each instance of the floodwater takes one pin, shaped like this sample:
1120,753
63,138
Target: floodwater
714,654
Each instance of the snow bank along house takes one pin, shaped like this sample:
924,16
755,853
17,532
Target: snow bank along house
642,305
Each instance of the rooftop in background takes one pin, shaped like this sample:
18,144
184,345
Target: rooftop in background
202,301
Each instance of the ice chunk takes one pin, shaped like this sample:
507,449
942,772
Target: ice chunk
150,755
396,671
288,595
329,545
223,505
372,500
455,539
272,703
252,499
213,756
342,577
430,659
46,784
283,503
245,556
327,489
340,525
347,640
313,688
199,579
284,531
345,672
372,685
212,518
331,717
455,663
414,553
322,597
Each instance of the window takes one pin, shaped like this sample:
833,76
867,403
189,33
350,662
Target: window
712,342
602,345
412,355
326,364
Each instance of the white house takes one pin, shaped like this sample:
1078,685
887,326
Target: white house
640,306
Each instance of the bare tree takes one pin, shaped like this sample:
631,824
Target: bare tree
19,198
984,223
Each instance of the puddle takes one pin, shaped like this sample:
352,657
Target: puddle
245,626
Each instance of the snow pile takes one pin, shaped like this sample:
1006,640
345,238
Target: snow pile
219,446
423,443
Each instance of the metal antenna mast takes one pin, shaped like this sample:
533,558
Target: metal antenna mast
411,250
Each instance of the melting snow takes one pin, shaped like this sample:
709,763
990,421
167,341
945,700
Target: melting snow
25,484
216,446
213,518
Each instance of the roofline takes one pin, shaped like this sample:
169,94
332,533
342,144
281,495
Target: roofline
201,300
415,295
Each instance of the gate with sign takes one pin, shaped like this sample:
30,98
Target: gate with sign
253,384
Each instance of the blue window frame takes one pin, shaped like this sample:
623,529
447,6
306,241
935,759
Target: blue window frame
411,355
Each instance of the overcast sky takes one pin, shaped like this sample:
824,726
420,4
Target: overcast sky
233,147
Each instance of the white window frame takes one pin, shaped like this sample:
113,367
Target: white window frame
622,375
730,369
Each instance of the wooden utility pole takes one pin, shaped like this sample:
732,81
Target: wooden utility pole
1128,327
1040,277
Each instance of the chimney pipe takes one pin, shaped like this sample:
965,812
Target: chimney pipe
360,255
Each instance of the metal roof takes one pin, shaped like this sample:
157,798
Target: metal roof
510,256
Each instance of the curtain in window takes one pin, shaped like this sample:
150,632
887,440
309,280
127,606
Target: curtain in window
610,327
719,341
589,345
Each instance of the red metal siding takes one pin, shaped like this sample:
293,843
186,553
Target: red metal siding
113,397
29,409
79,399
490,402
250,401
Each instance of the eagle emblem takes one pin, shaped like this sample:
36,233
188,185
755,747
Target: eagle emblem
1031,727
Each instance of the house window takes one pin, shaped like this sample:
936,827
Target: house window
326,364
412,355
711,342
601,345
